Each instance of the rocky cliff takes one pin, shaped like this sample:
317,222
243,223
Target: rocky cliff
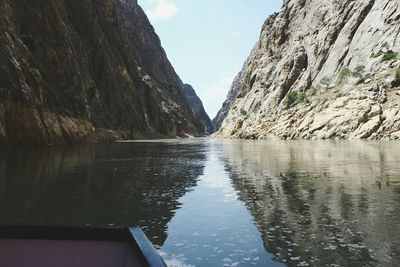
81,70
321,69
198,109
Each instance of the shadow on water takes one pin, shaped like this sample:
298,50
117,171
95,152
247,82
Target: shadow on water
126,184
321,203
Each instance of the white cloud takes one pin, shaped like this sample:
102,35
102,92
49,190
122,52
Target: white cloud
162,10
215,94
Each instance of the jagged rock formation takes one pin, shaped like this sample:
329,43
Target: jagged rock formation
322,69
198,109
77,70
233,93
230,99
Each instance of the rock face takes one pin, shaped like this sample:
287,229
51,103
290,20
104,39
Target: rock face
198,109
76,70
321,69
232,95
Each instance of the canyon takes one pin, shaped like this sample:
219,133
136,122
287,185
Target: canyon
87,71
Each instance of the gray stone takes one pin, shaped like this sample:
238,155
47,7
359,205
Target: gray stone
301,51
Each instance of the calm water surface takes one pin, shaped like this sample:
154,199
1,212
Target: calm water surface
220,203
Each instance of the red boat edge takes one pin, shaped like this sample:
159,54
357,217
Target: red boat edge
34,246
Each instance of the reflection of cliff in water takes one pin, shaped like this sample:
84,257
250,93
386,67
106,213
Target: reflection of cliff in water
321,203
121,184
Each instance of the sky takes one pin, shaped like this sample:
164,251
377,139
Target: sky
207,41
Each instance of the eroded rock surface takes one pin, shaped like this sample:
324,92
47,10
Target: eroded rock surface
72,69
321,69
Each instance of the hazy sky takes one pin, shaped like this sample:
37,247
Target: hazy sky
207,41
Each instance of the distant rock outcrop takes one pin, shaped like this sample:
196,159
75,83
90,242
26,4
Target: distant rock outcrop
198,109
72,71
232,95
230,99
321,70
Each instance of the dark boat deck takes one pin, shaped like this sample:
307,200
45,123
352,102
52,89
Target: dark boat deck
50,253
69,247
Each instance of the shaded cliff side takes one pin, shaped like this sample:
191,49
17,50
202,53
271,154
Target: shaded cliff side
198,109
77,70
322,69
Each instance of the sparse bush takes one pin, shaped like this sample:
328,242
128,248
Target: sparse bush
344,74
315,89
389,55
290,99
397,74
359,71
326,82
243,112
303,98
386,52
293,98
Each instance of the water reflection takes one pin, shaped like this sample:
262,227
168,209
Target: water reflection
321,203
134,184
220,203
214,228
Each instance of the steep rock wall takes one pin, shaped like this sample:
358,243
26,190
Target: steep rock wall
76,70
322,69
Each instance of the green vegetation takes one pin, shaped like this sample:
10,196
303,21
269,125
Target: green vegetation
326,82
293,98
397,74
389,55
243,112
386,53
344,74
359,71
315,89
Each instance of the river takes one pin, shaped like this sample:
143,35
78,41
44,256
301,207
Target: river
205,202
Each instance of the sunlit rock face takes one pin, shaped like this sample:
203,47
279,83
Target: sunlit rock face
77,70
323,202
321,69
232,94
